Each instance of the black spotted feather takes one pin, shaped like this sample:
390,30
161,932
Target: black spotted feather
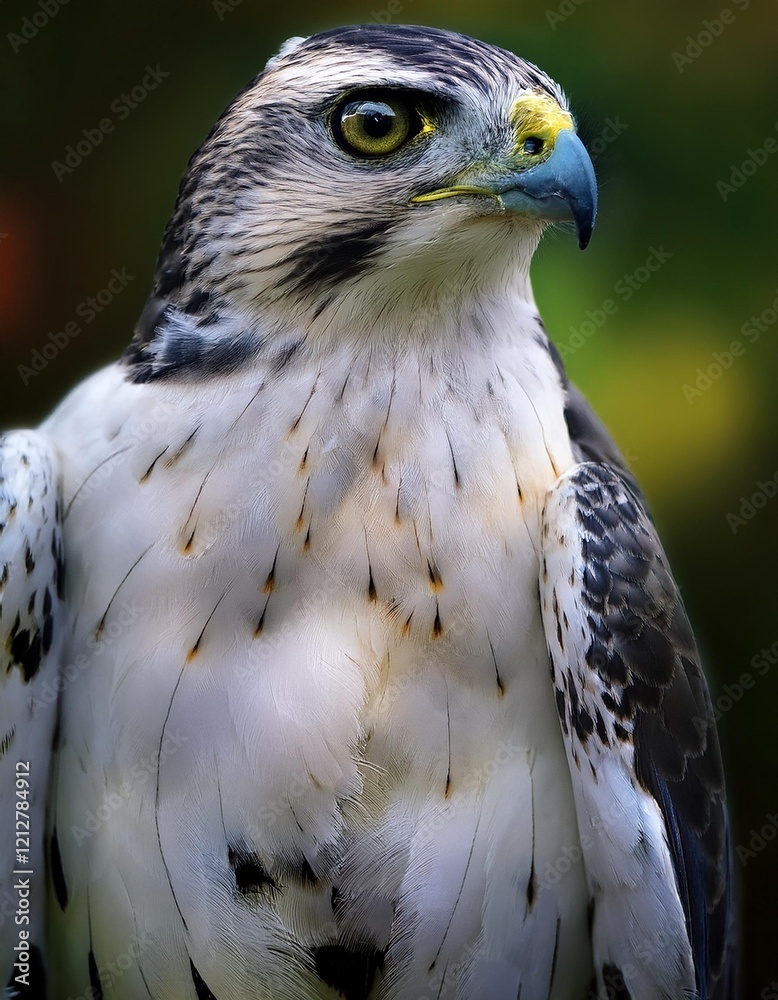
642,662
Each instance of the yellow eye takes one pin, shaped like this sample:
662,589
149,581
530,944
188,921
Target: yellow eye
374,127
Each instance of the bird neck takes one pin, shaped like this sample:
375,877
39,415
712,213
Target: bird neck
435,303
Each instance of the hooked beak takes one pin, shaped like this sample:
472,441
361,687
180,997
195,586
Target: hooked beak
561,188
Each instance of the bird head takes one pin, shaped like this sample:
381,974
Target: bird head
369,171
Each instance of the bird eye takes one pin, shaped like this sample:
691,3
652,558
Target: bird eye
533,145
373,127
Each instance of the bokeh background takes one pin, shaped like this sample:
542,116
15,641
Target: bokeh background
679,103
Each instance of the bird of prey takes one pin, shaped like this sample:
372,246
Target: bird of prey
341,657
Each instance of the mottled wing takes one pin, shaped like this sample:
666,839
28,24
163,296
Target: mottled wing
30,634
641,743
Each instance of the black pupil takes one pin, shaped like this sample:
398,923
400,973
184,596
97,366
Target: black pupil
377,121
533,145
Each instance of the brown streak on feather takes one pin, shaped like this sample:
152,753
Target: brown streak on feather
300,519
376,461
235,421
437,628
147,473
500,686
182,450
199,493
457,480
270,582
339,397
296,424
371,591
188,544
101,623
261,623
531,892
194,650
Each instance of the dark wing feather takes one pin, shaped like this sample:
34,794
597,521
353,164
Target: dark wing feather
31,628
643,630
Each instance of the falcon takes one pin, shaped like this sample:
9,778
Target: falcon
341,656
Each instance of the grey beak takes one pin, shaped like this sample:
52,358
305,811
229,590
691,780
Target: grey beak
561,188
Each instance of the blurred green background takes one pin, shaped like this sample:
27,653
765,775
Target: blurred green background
670,105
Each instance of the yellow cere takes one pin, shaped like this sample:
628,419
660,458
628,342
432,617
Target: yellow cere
538,116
